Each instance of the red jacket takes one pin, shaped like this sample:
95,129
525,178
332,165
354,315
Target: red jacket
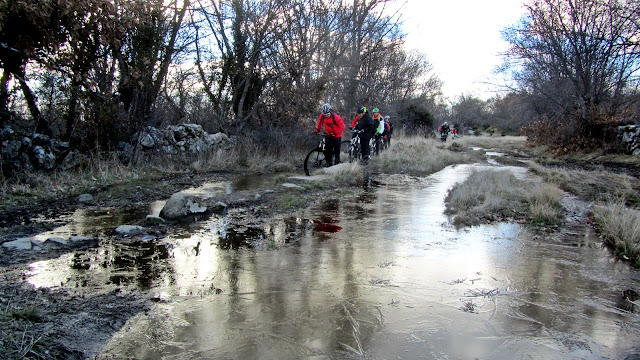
333,125
354,122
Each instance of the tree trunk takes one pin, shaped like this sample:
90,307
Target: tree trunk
42,125
4,98
72,112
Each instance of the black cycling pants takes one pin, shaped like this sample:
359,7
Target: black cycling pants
332,150
364,144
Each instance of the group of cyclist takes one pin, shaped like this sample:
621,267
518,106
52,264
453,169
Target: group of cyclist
367,126
445,129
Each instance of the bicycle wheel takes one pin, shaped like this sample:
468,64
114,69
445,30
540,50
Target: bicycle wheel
314,160
354,153
344,147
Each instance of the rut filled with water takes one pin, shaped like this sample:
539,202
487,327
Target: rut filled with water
384,275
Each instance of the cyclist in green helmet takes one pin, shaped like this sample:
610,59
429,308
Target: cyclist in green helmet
378,119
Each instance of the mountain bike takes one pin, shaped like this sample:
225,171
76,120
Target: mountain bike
386,141
373,146
379,144
354,150
317,159
444,135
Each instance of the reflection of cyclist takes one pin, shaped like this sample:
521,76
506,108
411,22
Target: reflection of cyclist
334,127
364,122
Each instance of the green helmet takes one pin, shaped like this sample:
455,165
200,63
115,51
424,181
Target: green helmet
375,110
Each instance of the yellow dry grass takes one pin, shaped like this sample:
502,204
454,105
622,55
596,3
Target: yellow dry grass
620,227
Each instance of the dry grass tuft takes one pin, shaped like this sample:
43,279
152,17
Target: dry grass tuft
101,172
353,175
39,186
489,195
545,204
592,185
620,227
486,195
419,156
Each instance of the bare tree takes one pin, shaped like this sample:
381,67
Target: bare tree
470,111
33,36
576,55
146,54
232,42
116,66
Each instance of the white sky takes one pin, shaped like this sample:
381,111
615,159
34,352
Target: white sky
461,39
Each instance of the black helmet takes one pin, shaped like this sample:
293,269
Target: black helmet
326,109
362,109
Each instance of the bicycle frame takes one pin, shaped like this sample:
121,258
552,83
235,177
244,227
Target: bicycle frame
355,150
323,142
316,157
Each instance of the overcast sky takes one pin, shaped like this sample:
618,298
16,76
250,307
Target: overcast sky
461,39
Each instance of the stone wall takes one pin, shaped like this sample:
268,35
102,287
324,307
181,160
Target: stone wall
629,138
39,152
182,141
185,138
35,152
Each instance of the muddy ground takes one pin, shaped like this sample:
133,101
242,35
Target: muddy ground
45,324
60,324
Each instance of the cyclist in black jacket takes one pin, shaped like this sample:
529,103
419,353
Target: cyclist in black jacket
364,122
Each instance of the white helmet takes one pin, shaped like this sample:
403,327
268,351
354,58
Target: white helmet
326,109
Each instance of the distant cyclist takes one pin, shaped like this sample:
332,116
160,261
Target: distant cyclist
388,130
444,131
364,122
334,127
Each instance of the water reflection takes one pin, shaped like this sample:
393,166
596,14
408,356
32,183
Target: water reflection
180,264
102,221
396,280
327,221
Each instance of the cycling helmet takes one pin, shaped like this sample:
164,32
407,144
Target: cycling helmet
362,109
386,117
326,109
375,110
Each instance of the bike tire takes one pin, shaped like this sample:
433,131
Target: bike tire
354,153
315,160
344,147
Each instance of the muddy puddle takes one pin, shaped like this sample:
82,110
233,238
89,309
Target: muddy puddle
382,276
102,222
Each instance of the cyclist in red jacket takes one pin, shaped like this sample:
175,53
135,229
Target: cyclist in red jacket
334,127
